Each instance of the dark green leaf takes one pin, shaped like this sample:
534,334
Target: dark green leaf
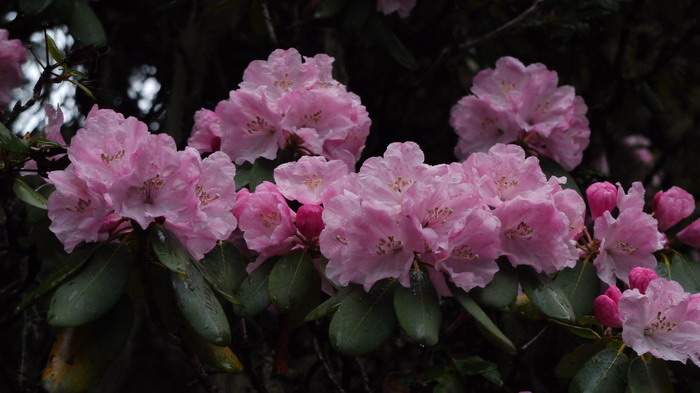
648,375
11,142
169,250
605,372
53,49
475,365
216,357
85,26
578,330
501,291
572,362
552,168
492,333
200,307
330,305
545,294
681,270
434,373
291,280
82,354
83,88
581,286
34,6
418,309
253,292
392,43
328,8
75,261
242,175
77,73
28,195
364,320
450,383
94,290
224,269
261,171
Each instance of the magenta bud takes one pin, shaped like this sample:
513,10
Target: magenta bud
690,235
310,221
640,277
613,293
602,197
671,206
605,310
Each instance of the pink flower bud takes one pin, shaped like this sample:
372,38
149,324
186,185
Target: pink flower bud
602,197
309,221
613,293
672,206
640,277
690,235
605,310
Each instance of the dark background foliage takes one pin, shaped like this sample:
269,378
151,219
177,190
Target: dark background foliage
635,63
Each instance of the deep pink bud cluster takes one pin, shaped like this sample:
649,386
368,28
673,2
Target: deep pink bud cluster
671,206
602,197
522,103
120,173
12,56
605,307
284,103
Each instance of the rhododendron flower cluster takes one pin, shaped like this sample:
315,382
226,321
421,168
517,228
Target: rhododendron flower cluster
120,173
518,103
656,315
623,242
12,56
402,7
284,103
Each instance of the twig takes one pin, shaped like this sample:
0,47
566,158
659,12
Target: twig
327,366
36,94
268,22
537,336
282,347
450,50
363,373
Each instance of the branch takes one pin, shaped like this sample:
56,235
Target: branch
45,76
327,366
268,22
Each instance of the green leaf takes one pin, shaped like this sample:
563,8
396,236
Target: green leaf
475,365
83,88
242,175
253,292
676,267
261,171
169,250
578,330
82,354
200,307
501,291
224,268
85,26
67,268
545,294
581,286
386,37
491,331
552,168
53,49
648,375
216,357
11,142
94,290
450,383
28,195
572,362
291,280
605,372
418,309
364,320
328,8
33,7
330,305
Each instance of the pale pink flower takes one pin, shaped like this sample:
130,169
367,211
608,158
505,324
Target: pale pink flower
480,126
77,214
309,221
602,197
107,148
663,321
402,7
605,307
55,121
312,180
671,206
333,239
640,278
206,132
12,56
690,235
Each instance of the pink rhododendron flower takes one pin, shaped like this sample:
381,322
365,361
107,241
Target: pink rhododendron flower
12,56
403,7
663,321
690,235
640,278
515,102
602,197
53,132
313,180
671,206
605,307
77,214
206,133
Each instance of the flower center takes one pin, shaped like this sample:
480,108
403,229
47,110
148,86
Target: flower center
521,229
661,323
270,220
204,197
313,182
390,243
466,252
400,184
151,186
259,125
108,158
80,206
